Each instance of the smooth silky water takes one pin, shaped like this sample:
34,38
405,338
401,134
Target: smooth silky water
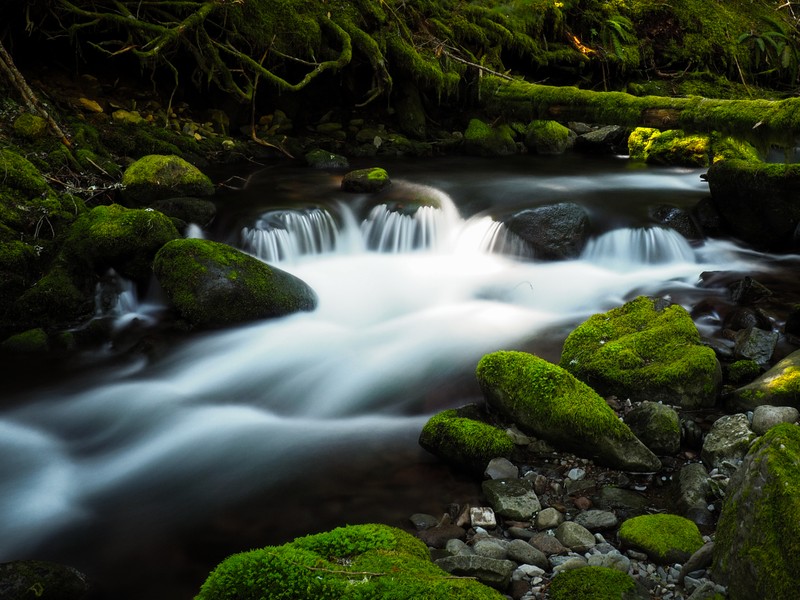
147,470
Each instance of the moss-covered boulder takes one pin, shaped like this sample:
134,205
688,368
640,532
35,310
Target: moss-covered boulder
545,400
780,386
60,298
465,443
670,147
657,425
770,223
548,137
482,139
644,350
157,176
30,126
757,545
124,239
187,210
212,284
348,563
664,538
595,583
33,341
367,181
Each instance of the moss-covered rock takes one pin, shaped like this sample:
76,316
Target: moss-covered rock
348,563
780,386
545,400
594,583
742,371
770,223
30,126
322,159
670,147
657,426
156,176
466,443
757,545
644,350
212,284
124,239
368,181
33,341
187,210
664,538
548,137
482,139
58,299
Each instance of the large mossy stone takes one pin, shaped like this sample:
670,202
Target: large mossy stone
212,284
157,176
644,350
548,137
368,181
466,443
757,549
481,139
348,563
780,386
670,147
772,221
664,538
595,583
121,238
545,400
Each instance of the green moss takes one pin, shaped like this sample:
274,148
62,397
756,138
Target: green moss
156,176
57,299
547,137
768,562
30,126
354,563
33,341
549,396
591,583
482,139
671,147
665,538
787,383
639,351
19,173
743,371
464,442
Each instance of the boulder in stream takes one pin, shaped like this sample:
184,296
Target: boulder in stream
212,284
482,139
646,349
780,386
554,232
545,400
158,176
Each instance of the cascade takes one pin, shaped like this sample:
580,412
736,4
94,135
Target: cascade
636,246
286,235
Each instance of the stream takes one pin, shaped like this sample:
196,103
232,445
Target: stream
146,470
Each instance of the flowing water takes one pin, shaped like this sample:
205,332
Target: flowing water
147,471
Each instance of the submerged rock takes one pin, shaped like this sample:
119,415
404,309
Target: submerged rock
780,386
554,232
545,400
644,350
212,284
756,548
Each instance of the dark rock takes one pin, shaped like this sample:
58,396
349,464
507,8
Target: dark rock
28,579
548,544
322,159
188,210
748,291
742,317
489,571
755,344
727,442
692,493
657,426
555,232
437,537
678,219
707,216
512,498
611,139
367,181
780,386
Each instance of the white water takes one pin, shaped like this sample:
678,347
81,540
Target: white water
228,415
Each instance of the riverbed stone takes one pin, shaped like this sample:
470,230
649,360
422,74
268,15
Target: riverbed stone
157,176
755,344
512,498
490,548
548,543
575,536
779,386
597,520
664,538
657,426
646,349
549,518
546,401
524,553
188,210
22,579
766,416
211,284
501,468
489,571
482,516
611,560
552,232
756,544
693,490
727,442
609,139
441,534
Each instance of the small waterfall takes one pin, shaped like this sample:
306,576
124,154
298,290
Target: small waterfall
194,231
117,300
632,247
285,235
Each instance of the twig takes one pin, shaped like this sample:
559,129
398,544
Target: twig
476,65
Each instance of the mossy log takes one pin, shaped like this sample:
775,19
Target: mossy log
763,121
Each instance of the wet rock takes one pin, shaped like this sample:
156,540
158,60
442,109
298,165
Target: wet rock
490,548
780,386
755,551
439,536
554,232
678,219
744,317
605,140
693,490
512,498
570,563
211,284
575,537
766,417
748,291
657,426
482,139
422,521
612,560
501,468
548,137
548,544
489,571
523,553
597,520
368,181
548,402
629,501
322,159
792,326
155,177
699,560
691,434
482,516
188,210
24,579
755,344
727,443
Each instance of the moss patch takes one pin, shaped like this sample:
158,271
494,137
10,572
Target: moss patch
481,139
671,147
665,538
592,583
644,352
155,177
354,562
